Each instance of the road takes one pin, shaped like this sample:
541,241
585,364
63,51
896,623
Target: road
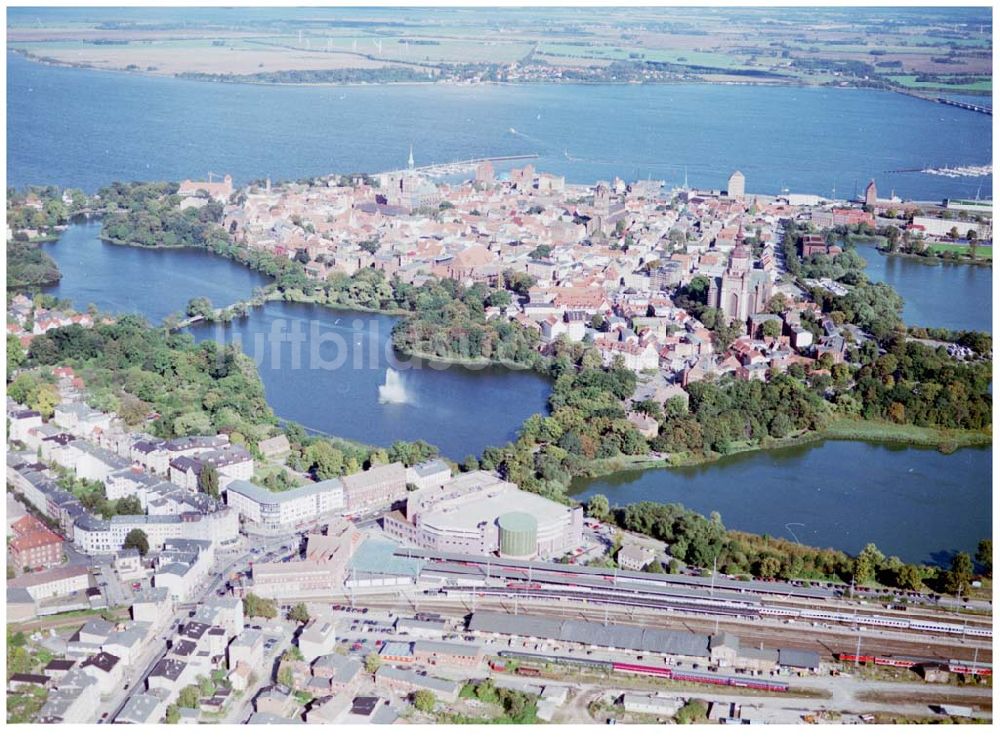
159,638
138,685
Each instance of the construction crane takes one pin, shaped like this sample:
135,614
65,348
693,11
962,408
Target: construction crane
212,174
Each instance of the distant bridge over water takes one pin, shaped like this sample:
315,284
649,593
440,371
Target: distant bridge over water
460,167
974,107
966,106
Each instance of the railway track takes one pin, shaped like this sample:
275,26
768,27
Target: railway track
705,605
770,634
917,613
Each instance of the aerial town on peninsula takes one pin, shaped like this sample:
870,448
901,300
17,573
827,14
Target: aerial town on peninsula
161,580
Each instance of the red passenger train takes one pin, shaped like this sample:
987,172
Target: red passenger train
901,662
908,662
700,677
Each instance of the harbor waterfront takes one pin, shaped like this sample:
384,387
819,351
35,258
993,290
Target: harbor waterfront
814,140
918,504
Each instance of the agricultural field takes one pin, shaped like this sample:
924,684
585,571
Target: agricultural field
803,46
910,82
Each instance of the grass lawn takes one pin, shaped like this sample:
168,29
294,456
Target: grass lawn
982,252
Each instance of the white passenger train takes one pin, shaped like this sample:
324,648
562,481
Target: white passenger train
878,621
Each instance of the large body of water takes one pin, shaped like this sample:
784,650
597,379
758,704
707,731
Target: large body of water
154,282
84,128
936,294
330,381
920,505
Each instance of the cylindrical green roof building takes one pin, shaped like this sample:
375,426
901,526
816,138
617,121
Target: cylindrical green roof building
518,534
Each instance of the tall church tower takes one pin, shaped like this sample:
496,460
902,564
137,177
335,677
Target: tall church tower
409,162
734,294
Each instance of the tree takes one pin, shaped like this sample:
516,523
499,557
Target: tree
46,400
189,697
133,410
424,700
206,686
769,567
693,711
324,460
208,481
372,662
499,299
910,577
286,678
960,576
136,538
173,714
258,607
771,328
15,353
973,238
199,306
867,562
984,556
292,653
654,567
777,304
129,506
598,507
300,613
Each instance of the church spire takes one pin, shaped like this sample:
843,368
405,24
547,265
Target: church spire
409,161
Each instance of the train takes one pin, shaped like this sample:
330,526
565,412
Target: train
652,602
664,672
900,662
908,662
970,667
878,621
699,677
600,589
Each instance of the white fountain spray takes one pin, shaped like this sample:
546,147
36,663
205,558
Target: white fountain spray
393,390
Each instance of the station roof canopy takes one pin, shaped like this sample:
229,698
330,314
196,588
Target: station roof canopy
654,640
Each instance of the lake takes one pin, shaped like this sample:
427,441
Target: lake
459,410
85,128
918,504
936,293
330,381
154,282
